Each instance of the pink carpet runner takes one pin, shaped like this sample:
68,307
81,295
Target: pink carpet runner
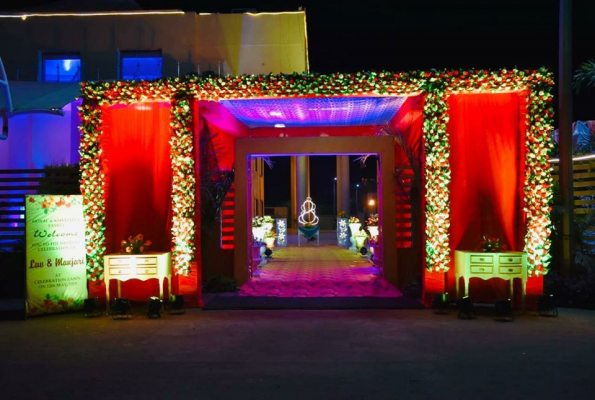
325,271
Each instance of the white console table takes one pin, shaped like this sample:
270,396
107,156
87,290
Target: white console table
123,267
506,265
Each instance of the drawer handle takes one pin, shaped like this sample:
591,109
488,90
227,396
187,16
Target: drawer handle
481,269
509,269
481,259
510,259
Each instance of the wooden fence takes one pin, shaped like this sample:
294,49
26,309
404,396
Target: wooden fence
584,185
584,195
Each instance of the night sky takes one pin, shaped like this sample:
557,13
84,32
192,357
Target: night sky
419,34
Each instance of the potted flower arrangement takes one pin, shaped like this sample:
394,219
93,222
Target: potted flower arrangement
258,229
372,220
372,225
134,245
354,227
269,239
342,229
490,245
268,222
360,239
257,222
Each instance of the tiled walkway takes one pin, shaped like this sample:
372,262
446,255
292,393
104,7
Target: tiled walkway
311,271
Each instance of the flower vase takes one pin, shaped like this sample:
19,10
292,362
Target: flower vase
373,232
268,226
360,241
269,242
354,231
258,233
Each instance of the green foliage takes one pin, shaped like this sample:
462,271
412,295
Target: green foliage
584,77
221,284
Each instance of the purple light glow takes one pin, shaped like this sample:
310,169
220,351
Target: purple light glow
304,112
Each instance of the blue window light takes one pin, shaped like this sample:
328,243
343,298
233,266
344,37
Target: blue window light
61,69
141,65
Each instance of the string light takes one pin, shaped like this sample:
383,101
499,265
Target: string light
308,209
437,86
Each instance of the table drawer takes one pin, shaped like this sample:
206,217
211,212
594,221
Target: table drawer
511,269
146,261
119,271
119,261
482,269
146,270
511,259
487,259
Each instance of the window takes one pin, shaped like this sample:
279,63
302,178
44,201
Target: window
61,67
141,64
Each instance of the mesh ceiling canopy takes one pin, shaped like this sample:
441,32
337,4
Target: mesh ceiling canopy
316,111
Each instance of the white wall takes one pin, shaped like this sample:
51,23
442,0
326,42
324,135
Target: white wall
37,140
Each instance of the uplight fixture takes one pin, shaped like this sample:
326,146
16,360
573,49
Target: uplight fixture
154,307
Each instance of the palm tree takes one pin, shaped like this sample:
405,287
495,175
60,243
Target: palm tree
585,76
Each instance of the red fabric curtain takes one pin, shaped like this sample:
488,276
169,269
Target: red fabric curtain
487,141
138,176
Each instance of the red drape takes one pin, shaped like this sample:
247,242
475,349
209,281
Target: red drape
487,141
138,177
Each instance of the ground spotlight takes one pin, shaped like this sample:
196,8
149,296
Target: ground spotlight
363,251
268,253
504,310
154,307
177,304
121,308
466,308
92,307
441,301
547,306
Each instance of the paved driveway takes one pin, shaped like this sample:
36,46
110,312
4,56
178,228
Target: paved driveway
361,354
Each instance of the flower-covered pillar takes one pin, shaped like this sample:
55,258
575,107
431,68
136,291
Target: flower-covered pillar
185,218
437,179
93,192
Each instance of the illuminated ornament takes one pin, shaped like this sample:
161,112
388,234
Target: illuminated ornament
308,212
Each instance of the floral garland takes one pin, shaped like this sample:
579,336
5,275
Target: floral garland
92,188
183,186
437,85
437,151
538,179
93,178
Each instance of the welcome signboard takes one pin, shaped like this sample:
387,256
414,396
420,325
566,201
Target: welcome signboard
56,271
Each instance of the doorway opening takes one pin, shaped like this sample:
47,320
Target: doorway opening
303,195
